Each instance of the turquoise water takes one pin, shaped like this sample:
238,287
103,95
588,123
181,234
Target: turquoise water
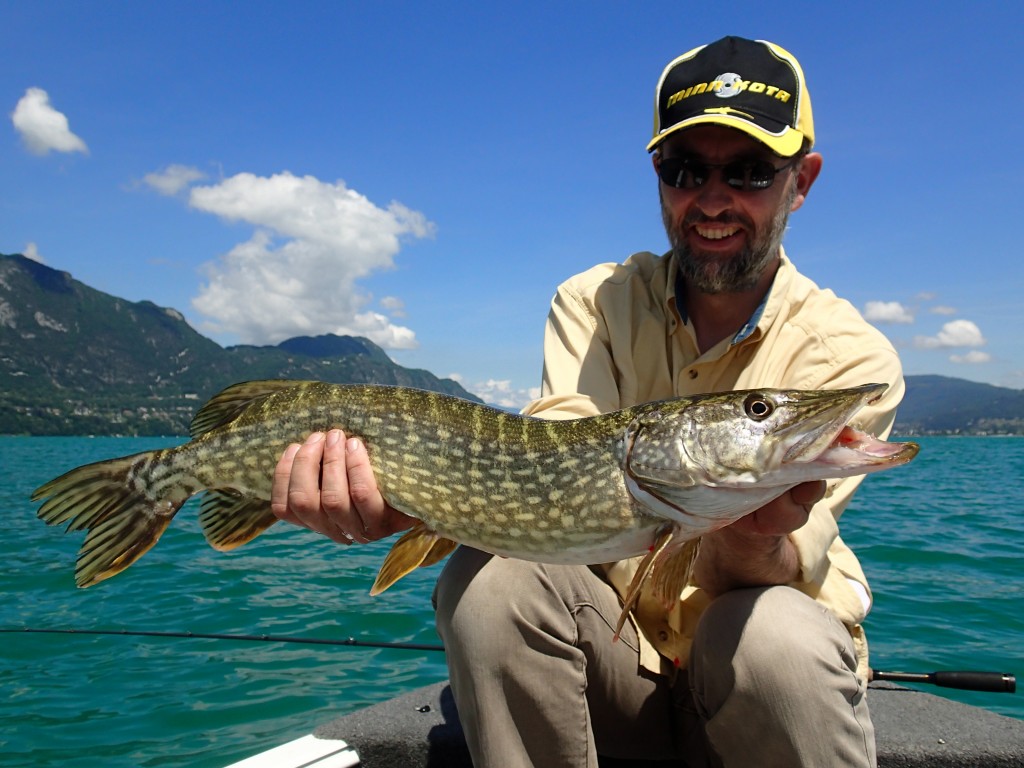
942,541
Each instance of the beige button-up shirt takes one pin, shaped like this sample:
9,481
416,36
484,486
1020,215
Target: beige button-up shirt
615,338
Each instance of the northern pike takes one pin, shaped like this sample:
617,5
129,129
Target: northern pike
646,480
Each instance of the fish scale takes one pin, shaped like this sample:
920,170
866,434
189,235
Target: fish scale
475,477
647,480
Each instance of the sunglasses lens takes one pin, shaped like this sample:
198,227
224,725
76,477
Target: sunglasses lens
668,174
682,173
747,175
761,174
687,173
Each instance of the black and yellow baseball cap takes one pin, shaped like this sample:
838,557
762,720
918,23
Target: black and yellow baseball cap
752,85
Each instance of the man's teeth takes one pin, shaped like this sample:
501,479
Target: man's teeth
716,233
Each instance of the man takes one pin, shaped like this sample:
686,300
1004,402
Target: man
762,662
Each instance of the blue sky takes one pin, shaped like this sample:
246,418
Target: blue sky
426,174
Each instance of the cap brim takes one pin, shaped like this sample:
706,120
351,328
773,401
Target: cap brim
785,143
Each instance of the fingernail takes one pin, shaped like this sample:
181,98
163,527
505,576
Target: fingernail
332,437
316,437
353,444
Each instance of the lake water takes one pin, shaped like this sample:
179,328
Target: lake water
942,541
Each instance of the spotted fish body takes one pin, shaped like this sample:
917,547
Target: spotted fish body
650,479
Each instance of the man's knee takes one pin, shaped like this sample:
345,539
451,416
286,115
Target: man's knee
770,632
479,591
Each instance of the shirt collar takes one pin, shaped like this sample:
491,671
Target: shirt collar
676,294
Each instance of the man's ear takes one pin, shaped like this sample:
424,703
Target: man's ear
806,174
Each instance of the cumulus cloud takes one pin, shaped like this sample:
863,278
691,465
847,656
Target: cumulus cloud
31,251
172,179
42,128
956,333
298,273
887,312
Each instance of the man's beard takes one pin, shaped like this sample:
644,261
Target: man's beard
709,273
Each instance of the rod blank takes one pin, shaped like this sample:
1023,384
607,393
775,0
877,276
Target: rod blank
348,641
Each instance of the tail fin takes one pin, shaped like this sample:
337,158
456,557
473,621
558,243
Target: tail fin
109,499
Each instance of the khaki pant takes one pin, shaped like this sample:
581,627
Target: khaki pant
539,682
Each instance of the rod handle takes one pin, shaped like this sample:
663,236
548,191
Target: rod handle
992,682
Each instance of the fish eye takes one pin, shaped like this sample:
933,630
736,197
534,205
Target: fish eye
758,407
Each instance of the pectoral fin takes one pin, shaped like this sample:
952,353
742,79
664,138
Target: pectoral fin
420,546
672,572
661,540
668,566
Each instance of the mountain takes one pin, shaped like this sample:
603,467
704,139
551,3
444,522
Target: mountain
74,360
939,405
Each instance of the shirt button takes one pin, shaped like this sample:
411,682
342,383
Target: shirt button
692,373
663,635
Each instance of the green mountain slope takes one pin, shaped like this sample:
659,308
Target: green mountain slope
74,360
941,405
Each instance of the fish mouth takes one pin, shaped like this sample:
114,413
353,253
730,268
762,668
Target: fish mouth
836,444
854,449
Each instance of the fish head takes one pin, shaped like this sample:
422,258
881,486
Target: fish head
757,442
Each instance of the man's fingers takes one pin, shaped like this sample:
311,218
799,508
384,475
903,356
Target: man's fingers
327,484
336,505
279,490
810,493
362,488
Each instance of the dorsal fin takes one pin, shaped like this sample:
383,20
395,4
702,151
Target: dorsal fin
226,404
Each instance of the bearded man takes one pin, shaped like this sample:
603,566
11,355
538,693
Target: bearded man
762,661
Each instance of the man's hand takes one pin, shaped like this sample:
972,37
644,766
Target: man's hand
327,485
756,551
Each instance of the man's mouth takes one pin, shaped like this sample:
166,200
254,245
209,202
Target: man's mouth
718,232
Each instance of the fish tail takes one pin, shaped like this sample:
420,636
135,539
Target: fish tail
125,505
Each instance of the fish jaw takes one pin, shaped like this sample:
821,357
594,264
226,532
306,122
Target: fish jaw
854,452
735,452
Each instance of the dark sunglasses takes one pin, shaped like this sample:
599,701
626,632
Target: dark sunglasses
688,173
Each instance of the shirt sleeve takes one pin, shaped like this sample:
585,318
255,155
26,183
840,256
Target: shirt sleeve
579,375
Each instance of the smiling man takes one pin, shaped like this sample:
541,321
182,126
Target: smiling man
762,660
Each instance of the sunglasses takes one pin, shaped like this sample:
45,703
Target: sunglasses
746,175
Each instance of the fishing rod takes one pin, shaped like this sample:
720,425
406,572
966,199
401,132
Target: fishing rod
992,682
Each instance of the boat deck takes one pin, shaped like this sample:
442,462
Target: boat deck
421,730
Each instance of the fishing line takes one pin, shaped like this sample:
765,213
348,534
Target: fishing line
347,641
992,682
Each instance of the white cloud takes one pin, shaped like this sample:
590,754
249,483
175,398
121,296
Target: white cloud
31,251
394,305
974,357
297,274
956,333
43,128
887,312
500,393
172,179
942,309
